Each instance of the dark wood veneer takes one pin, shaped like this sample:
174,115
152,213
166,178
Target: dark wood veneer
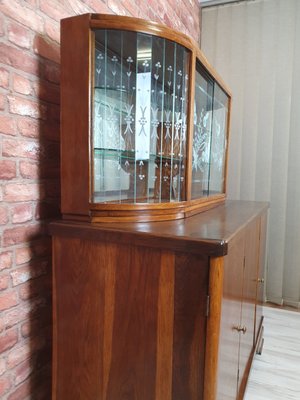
130,306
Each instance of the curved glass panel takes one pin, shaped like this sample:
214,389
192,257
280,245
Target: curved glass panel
139,124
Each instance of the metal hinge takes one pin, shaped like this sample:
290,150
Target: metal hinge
207,305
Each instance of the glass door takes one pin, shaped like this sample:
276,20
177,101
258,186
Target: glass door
139,127
209,137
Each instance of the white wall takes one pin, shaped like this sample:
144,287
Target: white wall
255,46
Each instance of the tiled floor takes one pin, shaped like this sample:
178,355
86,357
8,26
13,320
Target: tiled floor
275,374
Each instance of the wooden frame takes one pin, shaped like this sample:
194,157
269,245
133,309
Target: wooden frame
76,101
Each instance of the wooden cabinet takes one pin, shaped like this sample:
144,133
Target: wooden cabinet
144,122
148,304
164,310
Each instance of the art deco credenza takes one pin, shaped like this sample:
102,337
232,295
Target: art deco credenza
157,279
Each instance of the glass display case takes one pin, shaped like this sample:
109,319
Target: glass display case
144,122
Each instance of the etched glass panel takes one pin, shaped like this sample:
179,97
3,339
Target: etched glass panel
218,141
139,118
209,138
203,114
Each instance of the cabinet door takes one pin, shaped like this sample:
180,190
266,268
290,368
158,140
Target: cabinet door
247,325
228,365
260,276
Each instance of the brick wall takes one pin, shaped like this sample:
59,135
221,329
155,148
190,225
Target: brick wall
29,172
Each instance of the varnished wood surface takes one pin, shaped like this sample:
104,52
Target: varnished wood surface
130,303
129,322
247,340
229,346
75,115
206,233
215,292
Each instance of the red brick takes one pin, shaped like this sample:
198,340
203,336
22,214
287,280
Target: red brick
23,255
22,392
21,213
24,352
47,91
5,385
130,7
7,169
18,105
18,35
8,300
36,288
5,260
21,85
22,312
18,59
4,78
23,371
22,234
7,125
24,15
46,48
98,6
2,102
4,281
32,3
29,170
24,274
2,366
77,7
116,7
2,22
51,71
39,248
16,192
54,9
23,148
28,127
52,29
40,323
3,215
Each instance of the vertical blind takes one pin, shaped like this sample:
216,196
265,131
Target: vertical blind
255,46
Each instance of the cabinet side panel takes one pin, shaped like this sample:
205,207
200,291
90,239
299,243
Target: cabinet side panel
190,300
132,366
78,335
75,115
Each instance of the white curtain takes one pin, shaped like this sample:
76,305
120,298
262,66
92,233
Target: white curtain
255,46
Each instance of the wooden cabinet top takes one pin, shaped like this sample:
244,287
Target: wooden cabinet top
206,233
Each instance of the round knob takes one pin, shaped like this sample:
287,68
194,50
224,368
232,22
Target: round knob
240,328
260,280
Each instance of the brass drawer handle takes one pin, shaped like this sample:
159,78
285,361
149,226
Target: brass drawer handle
240,328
